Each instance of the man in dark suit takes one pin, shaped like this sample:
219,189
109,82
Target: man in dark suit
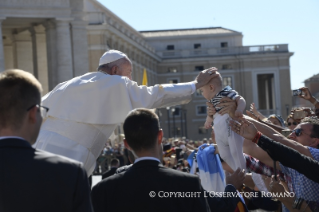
148,185
115,163
31,179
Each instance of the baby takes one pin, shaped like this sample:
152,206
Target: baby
230,144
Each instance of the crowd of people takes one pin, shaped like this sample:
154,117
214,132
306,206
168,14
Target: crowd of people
251,161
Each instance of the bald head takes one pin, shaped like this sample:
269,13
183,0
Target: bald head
216,81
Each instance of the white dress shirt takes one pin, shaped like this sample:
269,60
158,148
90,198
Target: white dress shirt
85,110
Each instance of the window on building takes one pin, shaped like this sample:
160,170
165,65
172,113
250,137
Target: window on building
266,92
227,81
172,81
170,47
224,44
175,110
172,70
199,68
201,110
227,66
198,92
202,130
197,46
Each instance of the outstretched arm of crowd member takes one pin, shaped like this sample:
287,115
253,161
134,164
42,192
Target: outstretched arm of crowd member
276,187
308,96
249,132
287,156
273,126
254,110
274,135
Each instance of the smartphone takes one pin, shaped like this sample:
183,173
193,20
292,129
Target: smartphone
297,92
286,132
299,114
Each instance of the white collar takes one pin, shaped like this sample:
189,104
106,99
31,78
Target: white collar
146,158
6,137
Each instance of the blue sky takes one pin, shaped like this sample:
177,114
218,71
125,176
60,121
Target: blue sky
262,22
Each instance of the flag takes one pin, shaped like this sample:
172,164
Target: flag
211,171
144,78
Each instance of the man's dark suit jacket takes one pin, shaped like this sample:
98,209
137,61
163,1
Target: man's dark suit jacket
109,173
130,190
38,181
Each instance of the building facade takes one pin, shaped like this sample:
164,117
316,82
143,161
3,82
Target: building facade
60,39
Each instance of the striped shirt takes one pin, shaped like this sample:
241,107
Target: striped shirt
226,92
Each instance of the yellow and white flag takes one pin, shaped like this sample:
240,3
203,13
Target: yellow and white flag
144,78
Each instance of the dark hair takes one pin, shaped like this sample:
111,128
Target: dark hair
19,90
141,128
314,121
115,162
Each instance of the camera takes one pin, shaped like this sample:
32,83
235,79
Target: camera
297,92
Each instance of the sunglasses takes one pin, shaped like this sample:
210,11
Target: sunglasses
298,132
292,123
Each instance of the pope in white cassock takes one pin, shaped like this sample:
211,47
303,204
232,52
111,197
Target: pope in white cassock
85,110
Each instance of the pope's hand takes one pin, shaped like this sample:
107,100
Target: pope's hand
205,76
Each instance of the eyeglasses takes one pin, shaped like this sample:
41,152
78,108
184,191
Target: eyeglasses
292,123
299,131
43,110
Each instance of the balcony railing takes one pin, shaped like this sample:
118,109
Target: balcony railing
240,50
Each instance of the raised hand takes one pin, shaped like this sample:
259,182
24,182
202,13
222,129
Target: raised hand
306,94
245,128
253,108
252,115
236,179
229,106
276,186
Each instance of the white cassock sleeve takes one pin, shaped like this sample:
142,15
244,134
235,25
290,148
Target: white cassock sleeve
98,98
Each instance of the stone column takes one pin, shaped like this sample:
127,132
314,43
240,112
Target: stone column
64,69
51,53
80,48
39,50
23,51
2,65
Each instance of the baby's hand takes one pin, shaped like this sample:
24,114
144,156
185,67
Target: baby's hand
238,113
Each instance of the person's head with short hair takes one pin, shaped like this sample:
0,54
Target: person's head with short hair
307,132
115,163
142,133
214,86
114,62
20,110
